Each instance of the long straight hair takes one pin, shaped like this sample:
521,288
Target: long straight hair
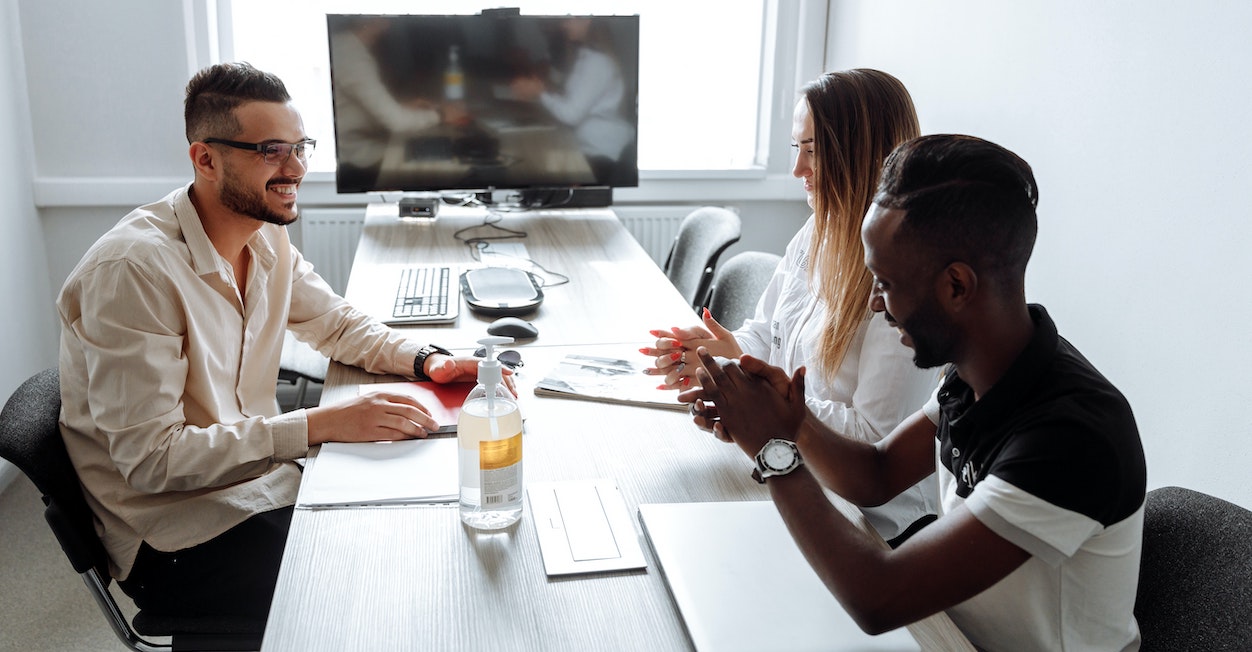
859,117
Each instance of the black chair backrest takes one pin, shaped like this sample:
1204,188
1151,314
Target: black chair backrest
702,237
1195,578
30,438
738,285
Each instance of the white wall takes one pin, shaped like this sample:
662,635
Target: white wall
1136,118
28,330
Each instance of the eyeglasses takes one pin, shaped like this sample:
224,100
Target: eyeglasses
510,359
275,153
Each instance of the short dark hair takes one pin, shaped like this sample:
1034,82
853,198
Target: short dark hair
965,199
215,92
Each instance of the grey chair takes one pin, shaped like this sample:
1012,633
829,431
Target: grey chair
702,237
738,285
1195,578
30,438
300,365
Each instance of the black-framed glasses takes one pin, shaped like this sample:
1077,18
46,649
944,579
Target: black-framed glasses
275,153
511,359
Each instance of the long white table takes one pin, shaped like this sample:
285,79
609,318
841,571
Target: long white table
413,578
615,293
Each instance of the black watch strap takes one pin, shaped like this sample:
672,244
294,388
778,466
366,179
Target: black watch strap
419,363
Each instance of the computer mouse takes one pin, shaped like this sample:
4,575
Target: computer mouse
514,327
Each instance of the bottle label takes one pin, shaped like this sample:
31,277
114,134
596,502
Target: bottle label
453,86
500,469
499,453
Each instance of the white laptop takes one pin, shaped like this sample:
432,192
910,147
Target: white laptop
741,583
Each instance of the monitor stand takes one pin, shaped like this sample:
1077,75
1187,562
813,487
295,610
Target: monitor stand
580,197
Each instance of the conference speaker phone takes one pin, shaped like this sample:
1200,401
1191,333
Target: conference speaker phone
501,291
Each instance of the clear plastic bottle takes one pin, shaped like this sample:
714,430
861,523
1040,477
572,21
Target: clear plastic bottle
489,438
453,78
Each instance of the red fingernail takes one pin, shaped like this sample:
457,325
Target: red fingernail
658,333
644,351
661,387
707,314
675,356
686,381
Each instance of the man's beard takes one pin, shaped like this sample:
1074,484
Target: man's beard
933,340
239,198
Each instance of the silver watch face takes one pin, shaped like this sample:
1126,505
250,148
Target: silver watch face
778,456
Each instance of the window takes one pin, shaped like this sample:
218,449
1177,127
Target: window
700,79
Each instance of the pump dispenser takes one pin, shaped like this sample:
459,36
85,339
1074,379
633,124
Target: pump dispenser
489,438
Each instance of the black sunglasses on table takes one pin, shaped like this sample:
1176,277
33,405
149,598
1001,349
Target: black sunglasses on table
511,359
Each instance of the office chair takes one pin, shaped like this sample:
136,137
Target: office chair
738,285
300,365
702,237
30,438
1195,577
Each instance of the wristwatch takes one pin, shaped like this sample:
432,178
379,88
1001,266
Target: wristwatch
419,363
777,457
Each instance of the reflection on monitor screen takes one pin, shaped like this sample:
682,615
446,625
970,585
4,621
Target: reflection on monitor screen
497,101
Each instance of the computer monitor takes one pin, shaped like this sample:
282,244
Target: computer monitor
494,101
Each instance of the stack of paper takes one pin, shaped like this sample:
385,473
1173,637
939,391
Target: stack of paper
381,473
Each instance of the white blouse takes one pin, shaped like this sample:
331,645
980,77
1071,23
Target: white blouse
875,388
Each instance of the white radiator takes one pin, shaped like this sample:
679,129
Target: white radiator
328,239
653,226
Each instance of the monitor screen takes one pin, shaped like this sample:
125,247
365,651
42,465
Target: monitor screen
483,102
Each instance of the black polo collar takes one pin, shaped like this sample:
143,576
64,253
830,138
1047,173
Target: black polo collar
969,429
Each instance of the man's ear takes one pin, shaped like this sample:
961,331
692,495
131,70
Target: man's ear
205,161
957,286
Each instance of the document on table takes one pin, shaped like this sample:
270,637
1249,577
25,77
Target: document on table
607,380
381,473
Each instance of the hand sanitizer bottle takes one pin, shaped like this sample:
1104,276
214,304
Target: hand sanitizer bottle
453,78
489,438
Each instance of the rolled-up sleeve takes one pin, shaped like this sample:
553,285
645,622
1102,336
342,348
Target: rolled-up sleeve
328,323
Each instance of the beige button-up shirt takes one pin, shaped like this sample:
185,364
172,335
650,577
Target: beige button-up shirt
168,378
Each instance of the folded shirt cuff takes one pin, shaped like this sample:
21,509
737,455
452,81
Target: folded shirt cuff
291,435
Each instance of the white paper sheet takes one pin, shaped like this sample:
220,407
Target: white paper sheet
381,473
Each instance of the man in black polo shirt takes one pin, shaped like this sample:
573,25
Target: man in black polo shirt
1040,466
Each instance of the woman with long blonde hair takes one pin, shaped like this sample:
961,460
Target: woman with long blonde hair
815,311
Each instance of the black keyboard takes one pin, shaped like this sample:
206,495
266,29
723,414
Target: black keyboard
423,292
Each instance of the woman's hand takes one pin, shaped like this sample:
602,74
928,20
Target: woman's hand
675,350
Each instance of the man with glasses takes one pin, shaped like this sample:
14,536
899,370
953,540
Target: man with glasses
172,328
